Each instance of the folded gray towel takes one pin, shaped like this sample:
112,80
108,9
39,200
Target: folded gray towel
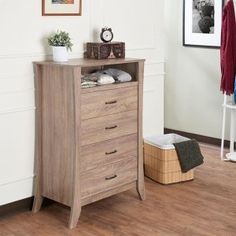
118,75
97,78
189,154
91,77
105,79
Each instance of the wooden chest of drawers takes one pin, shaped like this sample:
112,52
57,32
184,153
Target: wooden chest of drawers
88,141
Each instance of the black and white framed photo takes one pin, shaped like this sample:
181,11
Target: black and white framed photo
202,23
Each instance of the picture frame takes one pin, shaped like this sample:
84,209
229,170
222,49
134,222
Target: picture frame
202,21
61,7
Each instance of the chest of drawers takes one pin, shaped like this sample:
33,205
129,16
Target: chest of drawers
88,141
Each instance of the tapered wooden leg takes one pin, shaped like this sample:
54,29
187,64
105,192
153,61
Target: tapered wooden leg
74,216
141,189
38,200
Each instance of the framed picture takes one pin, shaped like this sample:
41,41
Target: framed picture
202,23
61,7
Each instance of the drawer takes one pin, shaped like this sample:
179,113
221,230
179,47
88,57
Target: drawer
108,102
108,177
108,127
108,152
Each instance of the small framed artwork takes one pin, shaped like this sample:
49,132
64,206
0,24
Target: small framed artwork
202,23
61,7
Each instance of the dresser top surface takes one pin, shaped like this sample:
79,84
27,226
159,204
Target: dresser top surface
90,62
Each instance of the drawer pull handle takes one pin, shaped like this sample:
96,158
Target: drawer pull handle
111,127
112,177
113,152
111,102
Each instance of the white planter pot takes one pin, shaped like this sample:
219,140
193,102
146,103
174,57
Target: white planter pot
60,54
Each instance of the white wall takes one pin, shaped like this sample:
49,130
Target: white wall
23,32
192,96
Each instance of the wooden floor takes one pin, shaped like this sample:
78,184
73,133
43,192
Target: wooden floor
205,206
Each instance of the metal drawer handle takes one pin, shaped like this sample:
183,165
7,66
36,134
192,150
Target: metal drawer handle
112,177
113,152
111,127
111,102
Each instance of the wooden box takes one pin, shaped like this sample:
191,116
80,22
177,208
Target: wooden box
162,165
105,50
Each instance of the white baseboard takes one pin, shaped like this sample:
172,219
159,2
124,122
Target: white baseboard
16,191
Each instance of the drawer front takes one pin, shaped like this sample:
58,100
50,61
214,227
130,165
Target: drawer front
108,177
108,102
108,127
108,152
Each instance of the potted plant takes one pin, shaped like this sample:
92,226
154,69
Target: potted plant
61,43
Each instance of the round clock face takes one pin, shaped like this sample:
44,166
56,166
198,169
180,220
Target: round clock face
106,35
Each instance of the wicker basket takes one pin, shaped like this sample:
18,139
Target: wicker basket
162,165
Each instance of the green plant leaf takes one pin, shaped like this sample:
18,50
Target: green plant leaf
60,38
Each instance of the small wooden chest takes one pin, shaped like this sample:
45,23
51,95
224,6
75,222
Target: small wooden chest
105,50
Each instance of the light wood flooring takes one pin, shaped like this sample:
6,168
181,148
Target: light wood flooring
205,206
